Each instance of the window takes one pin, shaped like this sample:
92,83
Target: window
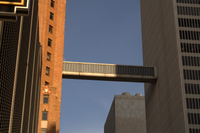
48,56
49,42
44,115
46,99
190,60
51,15
193,118
181,10
192,103
183,22
43,131
47,70
46,83
194,130
189,35
52,3
50,28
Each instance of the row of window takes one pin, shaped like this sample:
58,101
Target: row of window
49,44
192,89
189,35
190,48
193,103
193,118
47,68
182,10
46,98
183,22
194,130
189,1
190,61
191,74
51,17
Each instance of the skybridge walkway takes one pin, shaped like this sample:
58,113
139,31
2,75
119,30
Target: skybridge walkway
108,72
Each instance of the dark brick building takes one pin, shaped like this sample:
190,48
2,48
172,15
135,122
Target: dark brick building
20,73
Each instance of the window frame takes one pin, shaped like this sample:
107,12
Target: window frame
51,15
44,112
46,83
52,3
45,96
48,56
49,42
51,29
43,129
47,70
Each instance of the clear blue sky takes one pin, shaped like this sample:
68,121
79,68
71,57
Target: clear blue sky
100,31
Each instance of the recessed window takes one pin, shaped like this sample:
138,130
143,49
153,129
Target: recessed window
51,15
46,83
47,70
44,115
52,3
50,29
46,99
48,56
43,130
49,42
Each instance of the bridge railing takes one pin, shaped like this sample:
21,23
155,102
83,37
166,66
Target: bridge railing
108,68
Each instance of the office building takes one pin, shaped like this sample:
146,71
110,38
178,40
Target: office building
170,35
51,29
127,114
20,73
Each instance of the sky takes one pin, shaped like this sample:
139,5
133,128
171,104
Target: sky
99,31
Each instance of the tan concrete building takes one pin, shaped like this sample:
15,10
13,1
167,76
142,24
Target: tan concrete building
170,35
51,29
126,115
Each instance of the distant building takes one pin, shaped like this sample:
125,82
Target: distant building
20,73
127,114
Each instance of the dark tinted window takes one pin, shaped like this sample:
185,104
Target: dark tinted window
44,115
46,99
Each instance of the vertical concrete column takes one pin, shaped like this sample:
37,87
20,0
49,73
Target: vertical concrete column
16,73
1,32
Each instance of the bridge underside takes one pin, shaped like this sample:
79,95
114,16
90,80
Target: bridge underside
124,78
109,72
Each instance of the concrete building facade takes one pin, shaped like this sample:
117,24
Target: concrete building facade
51,29
170,36
126,115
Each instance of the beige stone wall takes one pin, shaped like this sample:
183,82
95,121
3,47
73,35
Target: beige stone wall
127,115
109,126
130,114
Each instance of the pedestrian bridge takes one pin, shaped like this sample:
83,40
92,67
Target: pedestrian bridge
108,72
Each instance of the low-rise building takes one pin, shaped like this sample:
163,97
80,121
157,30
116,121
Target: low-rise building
127,114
